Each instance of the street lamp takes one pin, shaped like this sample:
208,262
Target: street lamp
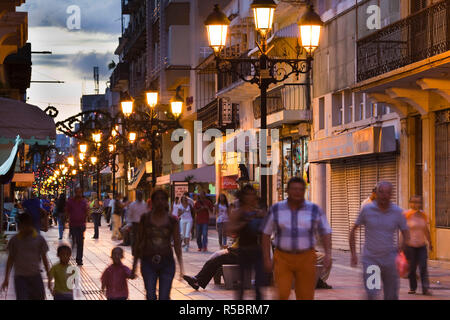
177,104
217,27
152,98
111,148
83,148
97,137
71,161
93,160
266,71
132,137
127,105
310,26
81,156
263,11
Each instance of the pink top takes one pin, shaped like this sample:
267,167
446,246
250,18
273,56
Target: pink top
114,278
77,211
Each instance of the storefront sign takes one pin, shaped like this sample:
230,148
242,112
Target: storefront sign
229,182
361,142
180,189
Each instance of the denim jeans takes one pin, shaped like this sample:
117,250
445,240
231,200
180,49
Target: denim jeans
63,296
60,226
221,233
164,271
417,257
250,258
78,240
29,287
202,235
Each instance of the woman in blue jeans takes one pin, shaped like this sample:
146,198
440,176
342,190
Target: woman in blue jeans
156,230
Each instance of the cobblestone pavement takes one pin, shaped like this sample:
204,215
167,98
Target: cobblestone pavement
346,281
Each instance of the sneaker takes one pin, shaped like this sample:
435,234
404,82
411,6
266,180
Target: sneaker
192,282
412,292
323,285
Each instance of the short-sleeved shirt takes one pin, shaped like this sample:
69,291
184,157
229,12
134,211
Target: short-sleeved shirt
27,253
380,229
295,230
202,213
222,213
135,211
77,210
115,279
60,276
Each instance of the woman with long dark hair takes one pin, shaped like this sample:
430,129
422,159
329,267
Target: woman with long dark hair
222,212
156,230
246,221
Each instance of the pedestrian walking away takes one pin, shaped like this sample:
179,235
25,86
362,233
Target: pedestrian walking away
222,212
96,214
153,248
135,212
114,278
117,212
26,250
60,214
246,222
294,223
416,247
77,210
382,220
203,208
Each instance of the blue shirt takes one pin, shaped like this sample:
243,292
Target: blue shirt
380,229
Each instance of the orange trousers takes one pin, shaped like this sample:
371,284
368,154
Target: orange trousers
301,267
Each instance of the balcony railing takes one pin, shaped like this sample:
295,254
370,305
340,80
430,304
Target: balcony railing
226,79
415,38
219,114
120,73
286,97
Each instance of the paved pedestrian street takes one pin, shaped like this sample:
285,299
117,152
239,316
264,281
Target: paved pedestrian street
346,281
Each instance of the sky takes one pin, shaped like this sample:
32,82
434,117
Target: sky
74,51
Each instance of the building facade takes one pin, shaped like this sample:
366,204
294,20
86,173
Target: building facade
381,110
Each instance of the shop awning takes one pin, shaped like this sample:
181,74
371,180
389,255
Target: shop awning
31,123
23,179
204,174
7,167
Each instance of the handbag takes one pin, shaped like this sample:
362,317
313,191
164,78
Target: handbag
402,265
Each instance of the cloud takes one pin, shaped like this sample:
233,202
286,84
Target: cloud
80,63
96,16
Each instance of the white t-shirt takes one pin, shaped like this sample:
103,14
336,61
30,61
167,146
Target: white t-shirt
135,211
175,209
187,212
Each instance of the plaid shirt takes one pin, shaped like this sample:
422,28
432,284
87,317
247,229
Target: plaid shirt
295,230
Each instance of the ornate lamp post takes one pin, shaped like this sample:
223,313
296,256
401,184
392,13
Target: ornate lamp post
267,70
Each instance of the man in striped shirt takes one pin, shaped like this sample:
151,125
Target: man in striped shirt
295,223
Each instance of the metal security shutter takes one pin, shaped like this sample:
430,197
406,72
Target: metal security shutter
353,173
339,215
352,181
442,176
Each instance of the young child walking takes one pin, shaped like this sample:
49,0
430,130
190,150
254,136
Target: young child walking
61,290
26,251
114,278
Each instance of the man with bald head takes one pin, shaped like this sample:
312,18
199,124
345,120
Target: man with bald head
381,219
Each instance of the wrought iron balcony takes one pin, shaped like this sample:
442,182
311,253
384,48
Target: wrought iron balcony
415,38
219,114
120,77
227,79
289,100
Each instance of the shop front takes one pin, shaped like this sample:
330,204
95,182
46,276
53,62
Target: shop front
357,161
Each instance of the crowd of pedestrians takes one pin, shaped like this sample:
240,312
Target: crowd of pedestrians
277,244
